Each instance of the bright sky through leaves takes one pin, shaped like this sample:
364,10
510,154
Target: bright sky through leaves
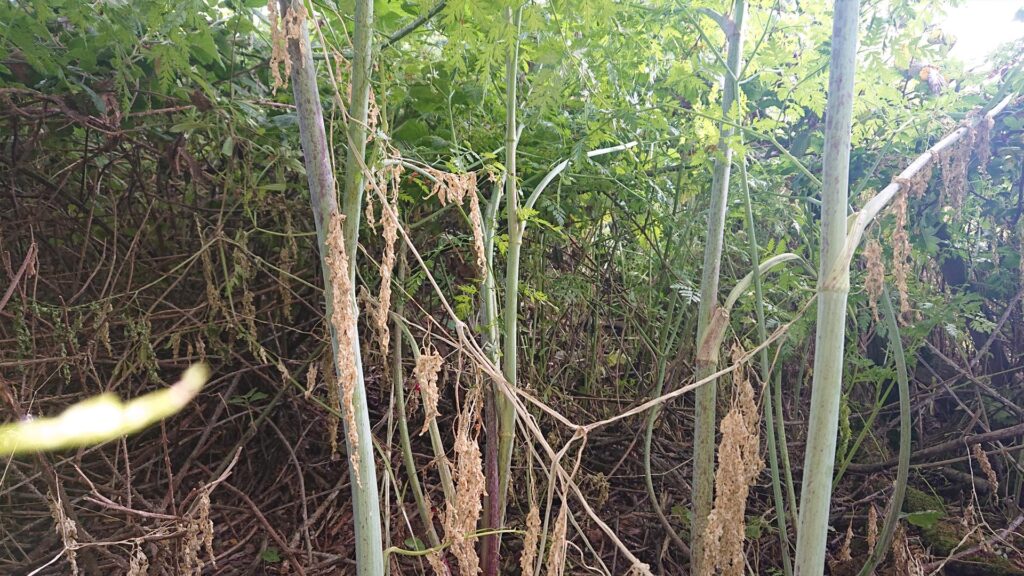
981,26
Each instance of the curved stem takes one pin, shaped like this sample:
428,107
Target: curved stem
903,471
762,335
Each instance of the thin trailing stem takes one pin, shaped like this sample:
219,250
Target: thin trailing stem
780,427
398,385
652,416
762,335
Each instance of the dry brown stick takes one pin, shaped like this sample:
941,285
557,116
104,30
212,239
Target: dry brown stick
998,328
1012,407
1001,536
1001,434
274,534
30,257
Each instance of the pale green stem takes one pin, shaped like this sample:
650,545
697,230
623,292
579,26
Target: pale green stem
398,385
504,408
833,290
707,358
762,335
320,175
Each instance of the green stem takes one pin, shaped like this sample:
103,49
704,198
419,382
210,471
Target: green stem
707,355
762,335
780,426
833,289
398,385
320,175
903,470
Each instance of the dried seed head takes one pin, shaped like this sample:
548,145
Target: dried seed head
66,529
904,561
286,262
311,375
476,218
739,464
876,275
449,187
901,253
556,557
844,550
969,521
198,537
954,163
986,467
283,30
138,565
462,515
435,561
389,215
984,143
529,556
872,528
428,367
213,298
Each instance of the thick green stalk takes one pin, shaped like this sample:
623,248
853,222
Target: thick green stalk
903,470
504,410
833,289
762,335
320,174
355,160
707,356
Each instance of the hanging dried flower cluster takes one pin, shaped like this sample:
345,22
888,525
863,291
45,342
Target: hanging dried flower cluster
343,323
739,464
283,30
875,281
462,515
